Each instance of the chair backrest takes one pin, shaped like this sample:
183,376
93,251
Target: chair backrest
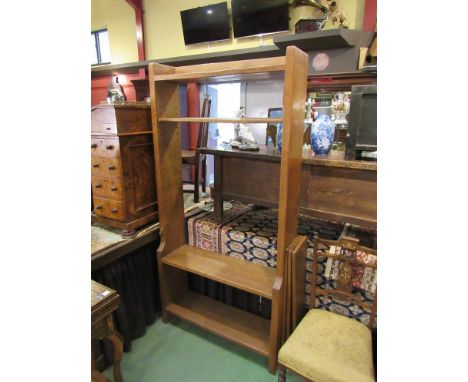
202,140
350,266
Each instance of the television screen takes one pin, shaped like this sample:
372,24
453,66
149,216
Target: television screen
205,24
253,17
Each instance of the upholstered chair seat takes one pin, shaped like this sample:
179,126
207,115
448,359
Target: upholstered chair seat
328,347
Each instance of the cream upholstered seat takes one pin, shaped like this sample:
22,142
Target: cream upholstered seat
327,347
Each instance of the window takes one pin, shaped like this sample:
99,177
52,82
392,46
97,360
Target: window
100,52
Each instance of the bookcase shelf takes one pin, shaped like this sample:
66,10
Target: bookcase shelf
234,324
253,278
221,120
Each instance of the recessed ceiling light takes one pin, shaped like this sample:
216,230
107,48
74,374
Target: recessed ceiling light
209,11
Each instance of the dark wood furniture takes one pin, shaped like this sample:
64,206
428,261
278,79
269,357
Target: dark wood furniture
347,341
331,188
197,159
362,128
122,166
175,258
103,302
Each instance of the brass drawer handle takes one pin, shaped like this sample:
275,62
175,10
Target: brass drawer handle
113,188
94,145
114,210
109,147
99,207
111,167
96,165
98,185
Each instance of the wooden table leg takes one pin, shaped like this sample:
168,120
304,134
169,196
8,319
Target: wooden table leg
218,184
118,348
96,376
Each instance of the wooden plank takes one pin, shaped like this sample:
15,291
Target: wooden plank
187,78
340,191
168,157
278,310
241,274
295,85
327,192
236,325
221,120
298,257
221,69
266,153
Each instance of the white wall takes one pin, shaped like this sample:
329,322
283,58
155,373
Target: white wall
258,97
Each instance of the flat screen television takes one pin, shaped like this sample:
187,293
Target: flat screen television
205,24
256,17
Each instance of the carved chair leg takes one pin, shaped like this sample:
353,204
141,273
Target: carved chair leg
281,373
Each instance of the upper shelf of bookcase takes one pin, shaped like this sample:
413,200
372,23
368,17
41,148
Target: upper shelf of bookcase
220,120
258,69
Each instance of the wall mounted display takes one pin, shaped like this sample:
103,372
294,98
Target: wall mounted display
250,18
205,24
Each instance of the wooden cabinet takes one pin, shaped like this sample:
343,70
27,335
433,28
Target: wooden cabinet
122,166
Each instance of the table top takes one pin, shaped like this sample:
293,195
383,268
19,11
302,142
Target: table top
268,153
104,300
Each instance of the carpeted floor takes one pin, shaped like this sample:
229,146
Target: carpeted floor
179,352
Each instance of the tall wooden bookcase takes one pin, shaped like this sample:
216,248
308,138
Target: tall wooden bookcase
175,257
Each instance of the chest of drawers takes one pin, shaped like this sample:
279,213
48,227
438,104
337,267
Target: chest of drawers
122,166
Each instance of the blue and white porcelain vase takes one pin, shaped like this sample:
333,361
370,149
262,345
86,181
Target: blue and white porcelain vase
321,135
279,136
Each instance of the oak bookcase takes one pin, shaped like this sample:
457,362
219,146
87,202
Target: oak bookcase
175,257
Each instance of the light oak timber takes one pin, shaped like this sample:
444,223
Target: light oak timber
222,120
234,324
241,274
232,69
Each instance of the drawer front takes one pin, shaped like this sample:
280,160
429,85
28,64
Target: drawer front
103,121
107,208
105,167
107,187
105,147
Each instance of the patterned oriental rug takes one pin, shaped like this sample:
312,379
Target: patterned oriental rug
249,233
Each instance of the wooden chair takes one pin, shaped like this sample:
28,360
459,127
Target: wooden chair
327,346
194,158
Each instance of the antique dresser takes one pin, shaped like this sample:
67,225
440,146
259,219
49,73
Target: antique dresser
122,166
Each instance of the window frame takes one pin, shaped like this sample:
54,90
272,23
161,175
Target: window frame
98,46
